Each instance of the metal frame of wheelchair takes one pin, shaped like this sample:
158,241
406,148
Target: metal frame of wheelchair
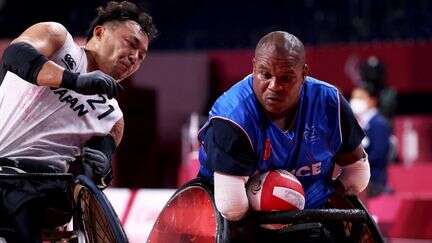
88,199
350,216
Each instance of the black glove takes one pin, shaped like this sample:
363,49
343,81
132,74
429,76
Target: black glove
96,82
97,166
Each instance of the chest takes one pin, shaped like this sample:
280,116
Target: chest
306,151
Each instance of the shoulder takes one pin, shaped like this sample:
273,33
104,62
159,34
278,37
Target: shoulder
241,89
239,97
51,28
44,33
239,107
230,135
320,85
322,92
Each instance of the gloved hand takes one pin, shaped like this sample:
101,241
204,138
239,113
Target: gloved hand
96,82
97,166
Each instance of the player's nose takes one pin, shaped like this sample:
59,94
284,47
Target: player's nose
274,85
133,56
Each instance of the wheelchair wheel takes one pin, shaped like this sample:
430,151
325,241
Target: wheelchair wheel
94,214
190,215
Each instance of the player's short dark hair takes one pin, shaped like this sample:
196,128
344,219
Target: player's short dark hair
122,11
283,41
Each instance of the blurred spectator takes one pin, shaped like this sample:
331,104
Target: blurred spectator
364,103
373,74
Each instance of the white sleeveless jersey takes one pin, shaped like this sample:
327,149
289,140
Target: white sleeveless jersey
45,124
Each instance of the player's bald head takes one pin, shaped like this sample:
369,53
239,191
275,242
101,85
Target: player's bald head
283,44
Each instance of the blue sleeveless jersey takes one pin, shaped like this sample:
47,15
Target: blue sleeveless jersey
306,150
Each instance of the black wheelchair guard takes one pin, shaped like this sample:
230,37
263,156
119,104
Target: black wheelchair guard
357,222
351,201
352,210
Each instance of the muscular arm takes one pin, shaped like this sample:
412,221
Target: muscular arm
47,38
28,58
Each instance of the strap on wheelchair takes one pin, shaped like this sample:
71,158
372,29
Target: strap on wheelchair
13,169
9,167
8,162
310,215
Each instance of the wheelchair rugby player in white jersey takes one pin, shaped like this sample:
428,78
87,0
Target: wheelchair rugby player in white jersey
57,103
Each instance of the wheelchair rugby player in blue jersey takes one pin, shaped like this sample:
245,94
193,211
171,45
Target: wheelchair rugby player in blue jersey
277,118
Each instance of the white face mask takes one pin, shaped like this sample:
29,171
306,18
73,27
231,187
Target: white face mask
358,106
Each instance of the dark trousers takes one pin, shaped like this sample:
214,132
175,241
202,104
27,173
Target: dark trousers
29,204
26,223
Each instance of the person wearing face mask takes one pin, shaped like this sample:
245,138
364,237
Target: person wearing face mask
364,103
278,117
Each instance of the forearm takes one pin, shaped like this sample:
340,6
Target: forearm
97,154
230,195
51,75
29,64
105,144
355,177
355,170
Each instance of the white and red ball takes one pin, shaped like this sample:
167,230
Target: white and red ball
276,190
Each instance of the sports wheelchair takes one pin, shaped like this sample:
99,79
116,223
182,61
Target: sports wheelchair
191,216
91,217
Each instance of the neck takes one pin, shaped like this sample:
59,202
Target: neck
91,60
285,120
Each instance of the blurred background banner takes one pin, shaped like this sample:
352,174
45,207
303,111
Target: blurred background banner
138,209
207,46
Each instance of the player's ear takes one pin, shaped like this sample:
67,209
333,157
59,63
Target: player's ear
98,31
253,63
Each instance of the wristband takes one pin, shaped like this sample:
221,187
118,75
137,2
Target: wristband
69,80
